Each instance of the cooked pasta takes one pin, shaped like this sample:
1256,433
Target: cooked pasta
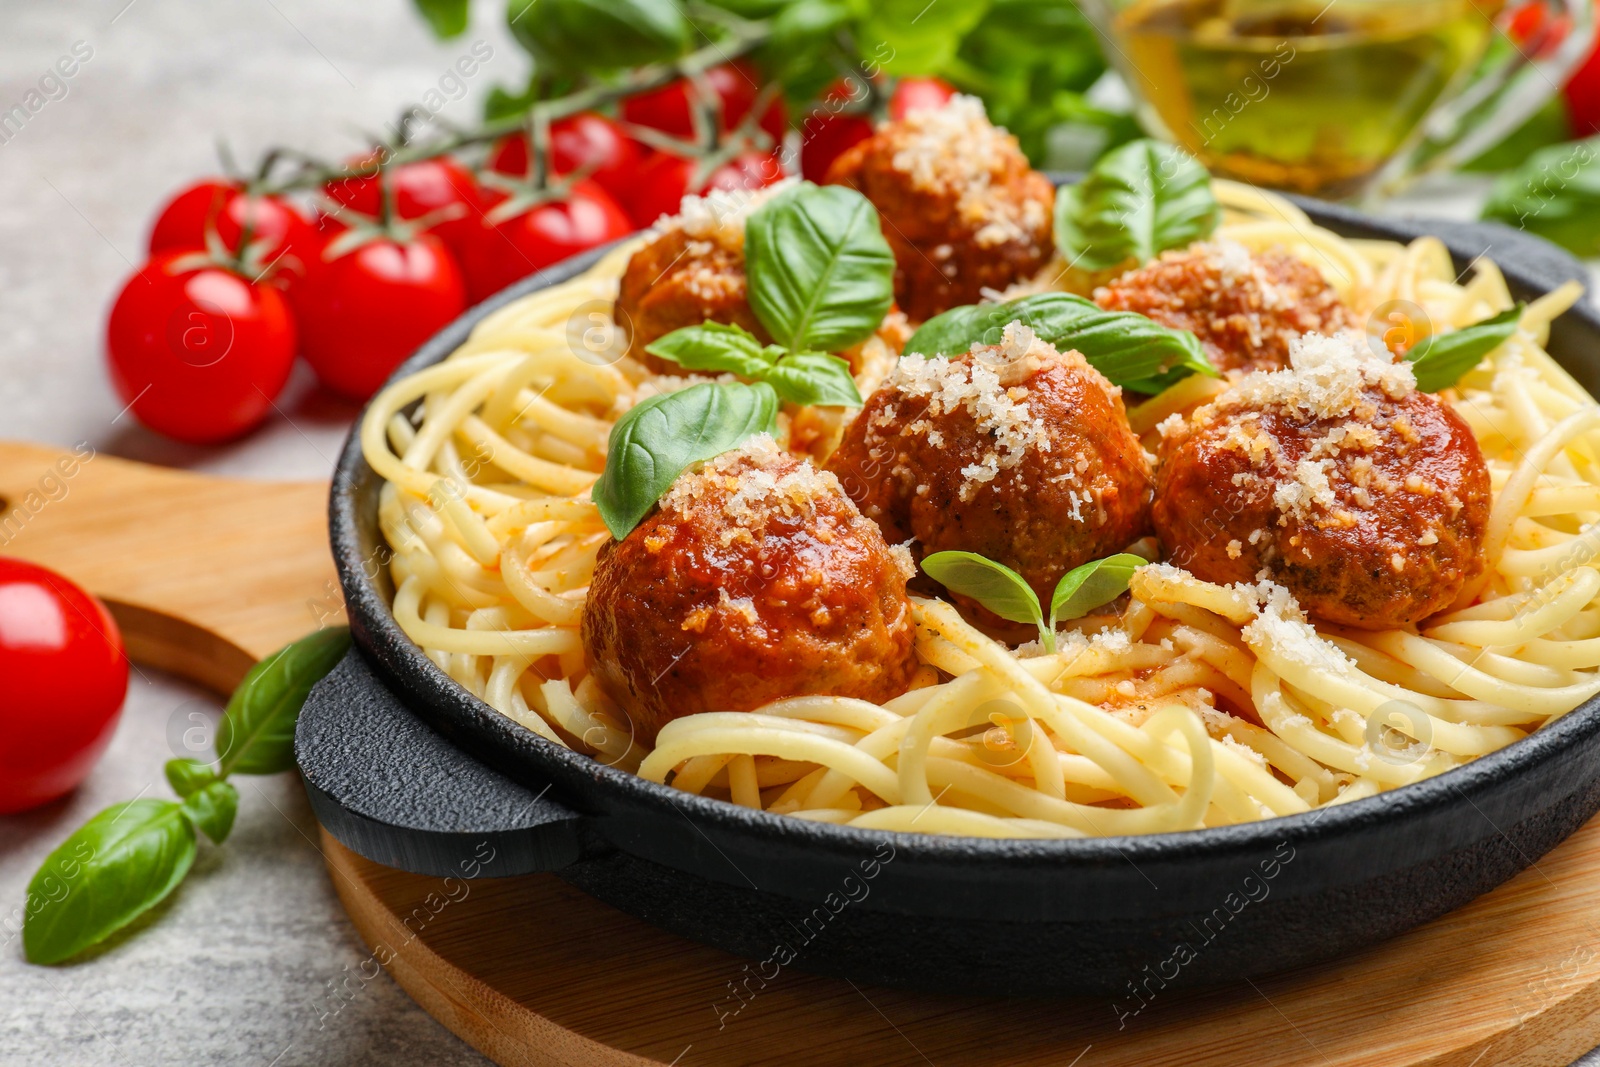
488,458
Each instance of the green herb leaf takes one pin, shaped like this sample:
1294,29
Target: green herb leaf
1440,359
920,37
821,275
600,34
713,346
117,865
994,585
1127,348
212,809
1031,61
814,378
446,18
256,734
798,378
1555,194
1136,202
189,776
660,438
1082,589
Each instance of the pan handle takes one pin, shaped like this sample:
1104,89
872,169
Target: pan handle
391,789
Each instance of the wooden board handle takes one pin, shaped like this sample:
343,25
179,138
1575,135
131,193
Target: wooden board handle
204,575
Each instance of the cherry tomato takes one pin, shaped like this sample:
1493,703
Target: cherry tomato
198,352
543,235
290,247
919,94
1583,95
181,224
582,141
665,179
736,85
65,679
826,134
439,186
373,306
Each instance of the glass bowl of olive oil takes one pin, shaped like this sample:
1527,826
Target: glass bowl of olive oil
1330,98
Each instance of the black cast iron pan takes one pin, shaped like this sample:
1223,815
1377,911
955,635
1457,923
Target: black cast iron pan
407,768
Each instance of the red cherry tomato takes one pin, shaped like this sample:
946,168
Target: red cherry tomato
736,85
665,179
439,186
826,134
919,94
1583,95
65,678
585,141
543,235
181,224
373,306
289,243
198,352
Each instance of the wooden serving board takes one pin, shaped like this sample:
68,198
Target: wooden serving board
205,575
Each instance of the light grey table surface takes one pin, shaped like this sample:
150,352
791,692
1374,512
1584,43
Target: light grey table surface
239,966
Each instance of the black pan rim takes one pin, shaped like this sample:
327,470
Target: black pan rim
403,662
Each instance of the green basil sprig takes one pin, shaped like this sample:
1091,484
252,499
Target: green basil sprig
660,438
1004,592
585,35
1136,201
820,275
130,856
1129,349
797,377
1439,360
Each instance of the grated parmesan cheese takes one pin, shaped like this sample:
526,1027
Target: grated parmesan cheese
719,211
978,388
1326,379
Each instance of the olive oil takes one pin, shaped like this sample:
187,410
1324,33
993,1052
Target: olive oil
1304,95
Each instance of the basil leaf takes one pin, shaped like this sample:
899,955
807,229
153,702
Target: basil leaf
814,378
918,37
1082,589
1136,202
714,346
994,585
446,18
597,34
188,776
1127,348
798,378
820,274
1440,359
660,438
212,809
256,733
117,865
1555,194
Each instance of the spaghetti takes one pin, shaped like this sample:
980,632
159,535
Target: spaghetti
488,458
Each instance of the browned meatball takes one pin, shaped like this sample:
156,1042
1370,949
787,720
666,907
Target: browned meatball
1367,499
684,277
961,208
1017,452
1244,307
756,579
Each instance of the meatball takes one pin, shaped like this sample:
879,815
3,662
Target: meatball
961,208
755,579
1367,499
1244,307
685,276
1016,451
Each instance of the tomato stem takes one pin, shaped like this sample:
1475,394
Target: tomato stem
744,37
